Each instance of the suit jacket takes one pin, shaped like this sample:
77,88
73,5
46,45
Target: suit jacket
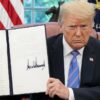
90,72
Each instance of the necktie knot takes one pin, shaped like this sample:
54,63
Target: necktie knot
75,53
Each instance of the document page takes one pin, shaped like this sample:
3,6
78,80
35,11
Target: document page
4,77
29,59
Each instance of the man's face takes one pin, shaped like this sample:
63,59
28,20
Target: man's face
76,31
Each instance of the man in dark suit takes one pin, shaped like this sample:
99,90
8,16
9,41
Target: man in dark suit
76,22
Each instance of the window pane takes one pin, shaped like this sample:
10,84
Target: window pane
27,3
46,3
40,16
28,16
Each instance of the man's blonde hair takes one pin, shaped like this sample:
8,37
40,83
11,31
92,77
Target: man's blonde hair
80,9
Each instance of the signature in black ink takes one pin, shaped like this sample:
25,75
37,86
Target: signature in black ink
35,65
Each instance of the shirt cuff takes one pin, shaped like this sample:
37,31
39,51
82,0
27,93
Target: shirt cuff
71,94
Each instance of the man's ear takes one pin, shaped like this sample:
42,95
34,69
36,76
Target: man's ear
61,28
93,33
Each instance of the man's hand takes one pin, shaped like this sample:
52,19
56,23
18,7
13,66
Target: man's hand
56,87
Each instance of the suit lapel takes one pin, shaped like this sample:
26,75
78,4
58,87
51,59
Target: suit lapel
88,64
57,59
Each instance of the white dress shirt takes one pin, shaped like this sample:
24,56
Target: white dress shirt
67,59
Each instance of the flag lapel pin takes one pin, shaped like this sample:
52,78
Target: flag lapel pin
91,59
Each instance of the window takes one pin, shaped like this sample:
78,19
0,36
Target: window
35,10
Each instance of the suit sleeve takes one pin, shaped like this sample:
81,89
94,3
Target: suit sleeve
91,93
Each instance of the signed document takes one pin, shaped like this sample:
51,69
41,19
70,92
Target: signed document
29,69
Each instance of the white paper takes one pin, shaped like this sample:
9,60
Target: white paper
4,78
29,61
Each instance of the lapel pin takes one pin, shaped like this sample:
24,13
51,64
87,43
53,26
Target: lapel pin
91,59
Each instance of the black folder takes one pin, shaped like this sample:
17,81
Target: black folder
24,65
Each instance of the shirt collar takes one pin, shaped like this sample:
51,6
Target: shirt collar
67,49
